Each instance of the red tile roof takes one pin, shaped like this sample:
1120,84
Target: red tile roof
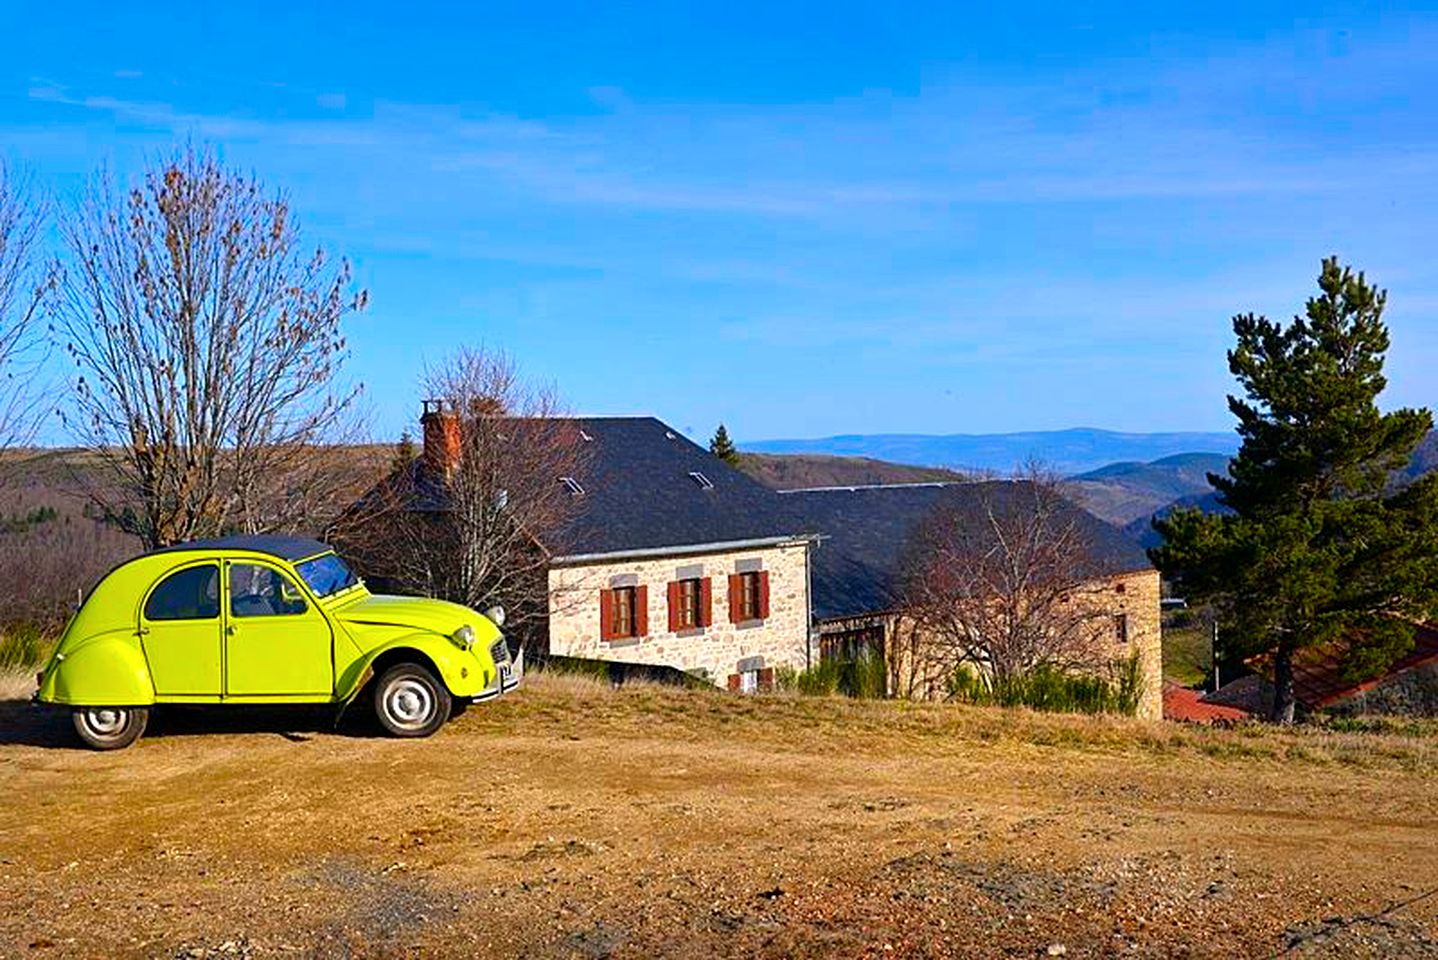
1183,703
1318,679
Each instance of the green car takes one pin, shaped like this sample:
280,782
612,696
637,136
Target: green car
266,620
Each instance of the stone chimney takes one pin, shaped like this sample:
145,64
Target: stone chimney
441,435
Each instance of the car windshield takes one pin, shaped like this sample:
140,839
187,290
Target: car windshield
326,574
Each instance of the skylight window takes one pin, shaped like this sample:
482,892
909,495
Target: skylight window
572,485
704,482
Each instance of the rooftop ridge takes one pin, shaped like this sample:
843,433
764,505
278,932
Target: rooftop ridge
854,487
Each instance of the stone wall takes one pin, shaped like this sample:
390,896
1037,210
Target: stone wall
1138,595
918,670
1411,693
719,648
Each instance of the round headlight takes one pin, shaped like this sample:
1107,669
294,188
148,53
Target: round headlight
495,615
464,637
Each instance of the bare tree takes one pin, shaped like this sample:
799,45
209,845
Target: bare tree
208,345
475,518
23,285
1007,584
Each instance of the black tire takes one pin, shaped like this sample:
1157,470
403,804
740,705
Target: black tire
109,728
410,702
457,706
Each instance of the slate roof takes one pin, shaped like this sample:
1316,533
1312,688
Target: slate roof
858,564
638,493
276,545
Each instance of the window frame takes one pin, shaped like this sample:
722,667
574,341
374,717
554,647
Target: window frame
691,603
294,581
624,609
749,596
175,572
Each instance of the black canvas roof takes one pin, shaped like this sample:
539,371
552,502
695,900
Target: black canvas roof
858,564
276,545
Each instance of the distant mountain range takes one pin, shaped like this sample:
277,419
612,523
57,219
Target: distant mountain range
802,470
1126,490
1063,451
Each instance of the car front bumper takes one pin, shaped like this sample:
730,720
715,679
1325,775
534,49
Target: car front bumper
510,676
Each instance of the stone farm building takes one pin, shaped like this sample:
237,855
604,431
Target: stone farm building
674,558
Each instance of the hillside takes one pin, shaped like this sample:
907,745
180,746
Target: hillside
1064,451
572,820
797,471
1123,492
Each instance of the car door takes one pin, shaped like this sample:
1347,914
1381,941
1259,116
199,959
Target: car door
277,643
180,631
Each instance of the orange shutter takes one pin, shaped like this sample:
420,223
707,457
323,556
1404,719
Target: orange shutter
766,678
736,590
641,611
764,595
733,679
606,614
706,602
676,599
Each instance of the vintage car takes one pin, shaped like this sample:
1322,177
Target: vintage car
266,620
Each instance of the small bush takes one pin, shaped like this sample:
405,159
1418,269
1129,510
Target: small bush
865,678
23,646
1053,690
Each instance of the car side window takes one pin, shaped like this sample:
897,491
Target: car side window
259,591
189,594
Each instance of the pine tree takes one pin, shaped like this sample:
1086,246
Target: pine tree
723,448
1322,547
404,452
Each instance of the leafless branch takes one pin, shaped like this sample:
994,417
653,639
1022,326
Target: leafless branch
1006,589
208,346
24,283
475,529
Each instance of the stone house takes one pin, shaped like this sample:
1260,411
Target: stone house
858,566
677,559
673,558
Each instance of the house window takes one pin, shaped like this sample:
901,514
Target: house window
1120,628
688,604
749,596
622,613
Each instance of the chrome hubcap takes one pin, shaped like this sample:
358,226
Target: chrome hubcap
105,721
409,703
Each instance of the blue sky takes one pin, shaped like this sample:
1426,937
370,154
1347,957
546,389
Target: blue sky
835,218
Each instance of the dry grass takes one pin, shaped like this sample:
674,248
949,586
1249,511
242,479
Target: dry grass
16,684
572,704
572,819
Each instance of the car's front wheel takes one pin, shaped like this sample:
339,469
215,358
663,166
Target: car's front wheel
110,728
410,701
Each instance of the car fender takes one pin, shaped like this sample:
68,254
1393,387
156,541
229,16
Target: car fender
107,670
464,672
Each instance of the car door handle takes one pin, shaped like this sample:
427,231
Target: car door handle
229,631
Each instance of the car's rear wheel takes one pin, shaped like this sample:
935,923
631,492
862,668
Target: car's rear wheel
410,701
109,728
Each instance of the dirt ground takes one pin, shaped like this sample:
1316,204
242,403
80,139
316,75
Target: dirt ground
575,821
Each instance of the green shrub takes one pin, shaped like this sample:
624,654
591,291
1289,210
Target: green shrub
23,646
864,678
1051,689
